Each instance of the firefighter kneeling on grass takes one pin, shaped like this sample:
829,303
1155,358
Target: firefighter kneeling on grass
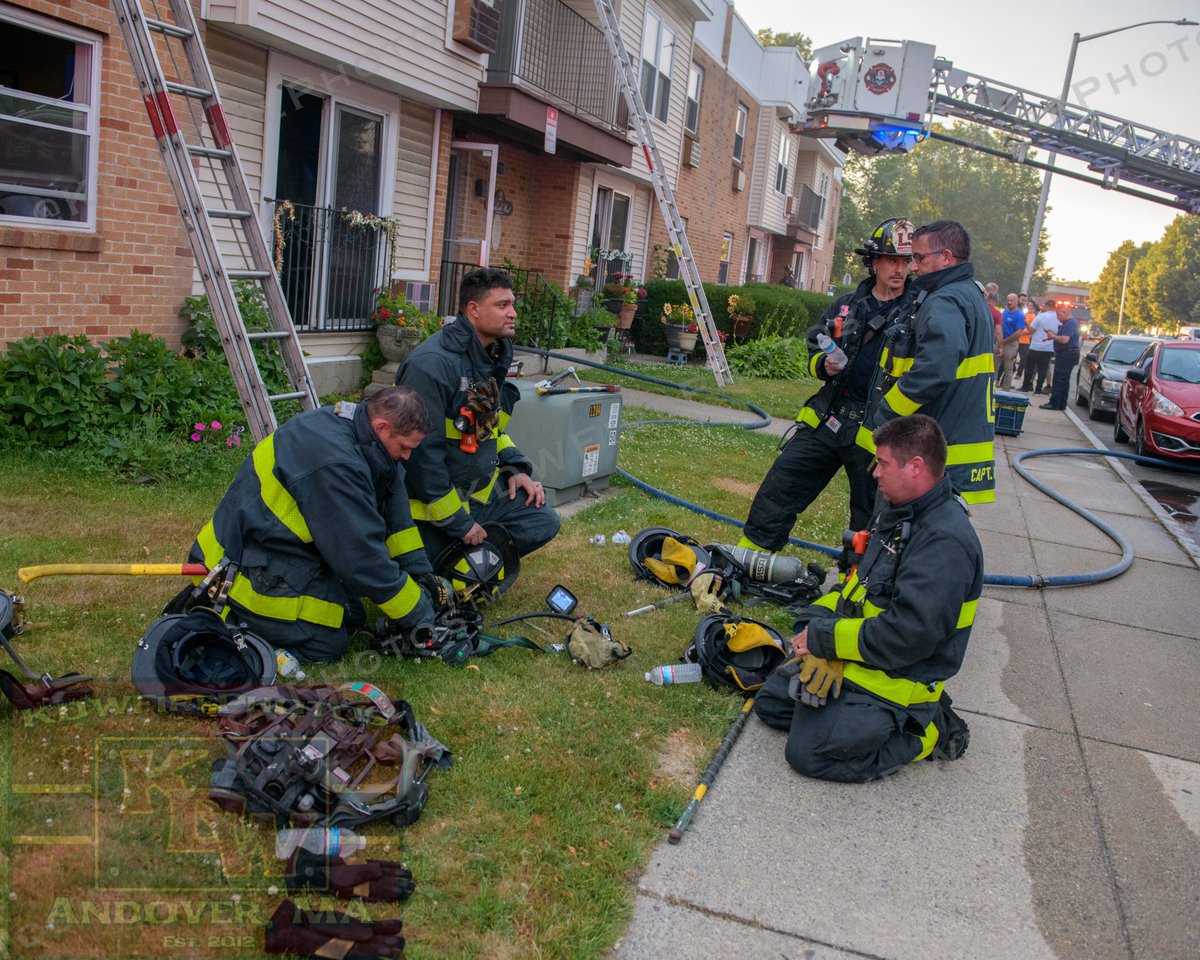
863,694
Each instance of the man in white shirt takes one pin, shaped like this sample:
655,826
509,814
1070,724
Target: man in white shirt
1041,348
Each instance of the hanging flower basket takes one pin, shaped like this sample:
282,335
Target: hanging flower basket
395,342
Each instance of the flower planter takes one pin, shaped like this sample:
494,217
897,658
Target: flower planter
678,337
583,299
396,343
614,304
625,316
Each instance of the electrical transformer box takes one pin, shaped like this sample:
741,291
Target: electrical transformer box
571,439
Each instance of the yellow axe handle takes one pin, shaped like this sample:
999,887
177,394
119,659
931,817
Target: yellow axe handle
29,574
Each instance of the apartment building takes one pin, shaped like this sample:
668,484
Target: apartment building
769,199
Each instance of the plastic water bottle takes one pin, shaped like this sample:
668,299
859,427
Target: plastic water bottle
831,350
323,841
596,539
620,538
288,666
675,673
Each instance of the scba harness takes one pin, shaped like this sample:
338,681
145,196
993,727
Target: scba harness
313,755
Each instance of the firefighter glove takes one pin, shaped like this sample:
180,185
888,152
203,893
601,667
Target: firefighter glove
329,933
438,588
706,591
819,678
377,880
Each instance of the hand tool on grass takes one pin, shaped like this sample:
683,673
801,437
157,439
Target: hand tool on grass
29,574
710,772
659,604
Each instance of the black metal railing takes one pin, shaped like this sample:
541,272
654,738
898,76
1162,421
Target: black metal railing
330,264
542,311
552,49
808,211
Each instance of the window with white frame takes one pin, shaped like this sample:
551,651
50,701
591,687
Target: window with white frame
691,117
49,78
658,50
823,192
783,163
726,251
739,133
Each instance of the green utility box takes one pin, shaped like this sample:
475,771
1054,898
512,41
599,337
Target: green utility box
571,438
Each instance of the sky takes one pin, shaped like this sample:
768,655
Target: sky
1149,75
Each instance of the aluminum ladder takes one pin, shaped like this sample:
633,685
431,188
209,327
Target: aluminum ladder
666,197
212,153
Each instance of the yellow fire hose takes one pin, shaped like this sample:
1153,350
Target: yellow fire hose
29,574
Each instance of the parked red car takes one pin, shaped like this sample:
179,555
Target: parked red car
1159,403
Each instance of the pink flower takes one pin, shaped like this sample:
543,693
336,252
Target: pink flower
198,426
229,442
237,439
216,424
195,438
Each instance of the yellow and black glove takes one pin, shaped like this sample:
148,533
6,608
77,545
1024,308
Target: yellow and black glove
706,591
819,678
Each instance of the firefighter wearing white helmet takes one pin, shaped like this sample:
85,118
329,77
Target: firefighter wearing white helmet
827,435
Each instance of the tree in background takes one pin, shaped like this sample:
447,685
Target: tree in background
801,41
1105,294
1168,285
992,197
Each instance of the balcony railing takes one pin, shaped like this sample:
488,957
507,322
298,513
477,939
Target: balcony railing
559,55
807,215
330,266
542,312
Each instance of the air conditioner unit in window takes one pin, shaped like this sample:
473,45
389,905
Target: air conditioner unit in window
476,25
739,180
691,153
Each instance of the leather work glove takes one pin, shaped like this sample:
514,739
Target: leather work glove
678,564
706,591
328,933
380,881
440,592
819,677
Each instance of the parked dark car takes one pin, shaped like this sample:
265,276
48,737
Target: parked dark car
1102,371
1159,403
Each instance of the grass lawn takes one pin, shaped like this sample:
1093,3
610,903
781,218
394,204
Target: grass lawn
564,779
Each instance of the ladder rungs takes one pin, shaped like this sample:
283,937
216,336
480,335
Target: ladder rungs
248,274
209,152
269,335
230,214
170,29
200,93
298,395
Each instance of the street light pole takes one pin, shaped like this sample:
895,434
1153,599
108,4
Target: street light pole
1124,284
1038,217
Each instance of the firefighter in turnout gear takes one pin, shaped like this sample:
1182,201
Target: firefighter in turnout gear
938,359
467,471
318,517
863,694
827,436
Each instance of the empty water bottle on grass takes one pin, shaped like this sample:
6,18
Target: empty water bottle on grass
670,673
288,666
323,841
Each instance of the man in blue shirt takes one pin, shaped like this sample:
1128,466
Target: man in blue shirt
1013,322
1066,355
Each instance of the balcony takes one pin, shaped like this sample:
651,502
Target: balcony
804,213
550,55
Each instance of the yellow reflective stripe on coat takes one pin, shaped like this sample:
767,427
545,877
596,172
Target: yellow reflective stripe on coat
440,509
213,552
928,742
828,601
808,416
903,406
502,421
960,453
845,639
452,431
966,616
483,495
974,366
894,689
281,503
404,541
311,609
865,439
504,441
812,362
979,496
901,365
402,603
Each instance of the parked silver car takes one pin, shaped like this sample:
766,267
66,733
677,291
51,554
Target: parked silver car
1102,370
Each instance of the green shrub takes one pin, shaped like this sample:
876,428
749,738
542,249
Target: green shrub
147,379
770,357
52,389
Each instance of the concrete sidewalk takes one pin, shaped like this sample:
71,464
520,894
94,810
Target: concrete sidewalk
1070,829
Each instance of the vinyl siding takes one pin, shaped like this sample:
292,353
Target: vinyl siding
411,198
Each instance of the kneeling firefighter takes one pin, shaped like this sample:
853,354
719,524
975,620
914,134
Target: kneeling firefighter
828,434
318,517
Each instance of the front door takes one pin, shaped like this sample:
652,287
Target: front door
470,209
610,233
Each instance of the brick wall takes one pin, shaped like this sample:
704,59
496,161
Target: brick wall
135,270
705,194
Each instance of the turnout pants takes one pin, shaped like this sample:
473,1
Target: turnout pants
802,470
852,739
530,527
